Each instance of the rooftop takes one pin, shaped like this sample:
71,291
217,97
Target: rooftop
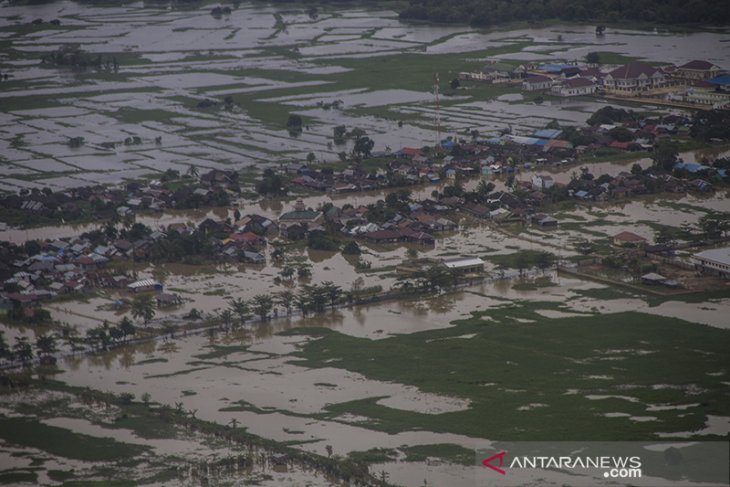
719,256
629,237
699,65
463,262
633,70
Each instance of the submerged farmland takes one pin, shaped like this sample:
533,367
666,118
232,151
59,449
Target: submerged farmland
395,380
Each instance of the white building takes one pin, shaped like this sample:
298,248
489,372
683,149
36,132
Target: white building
536,82
713,261
465,265
574,87
542,182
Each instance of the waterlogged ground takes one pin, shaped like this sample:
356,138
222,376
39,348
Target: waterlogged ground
272,61
419,379
416,379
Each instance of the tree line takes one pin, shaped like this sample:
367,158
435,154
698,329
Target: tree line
494,12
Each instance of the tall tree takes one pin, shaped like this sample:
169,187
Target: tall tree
127,327
46,345
143,308
262,305
665,155
241,308
286,298
22,350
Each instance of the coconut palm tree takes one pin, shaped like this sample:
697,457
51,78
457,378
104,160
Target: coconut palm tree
286,299
46,345
262,305
5,352
127,327
302,301
22,350
332,291
143,307
240,308
193,171
226,317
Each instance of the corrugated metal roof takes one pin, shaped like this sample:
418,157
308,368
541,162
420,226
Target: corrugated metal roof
144,283
463,262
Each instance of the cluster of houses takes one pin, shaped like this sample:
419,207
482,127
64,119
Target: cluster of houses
696,82
69,266
76,265
210,189
418,224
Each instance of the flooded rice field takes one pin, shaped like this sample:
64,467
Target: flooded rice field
274,62
170,60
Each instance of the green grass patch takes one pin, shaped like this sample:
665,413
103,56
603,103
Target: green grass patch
534,284
16,476
445,451
216,292
521,259
518,358
60,475
155,360
100,483
607,57
375,455
28,432
218,351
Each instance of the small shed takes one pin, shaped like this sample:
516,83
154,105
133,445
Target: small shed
465,265
653,279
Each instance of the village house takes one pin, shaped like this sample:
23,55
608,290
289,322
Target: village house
536,82
628,239
167,299
301,215
542,182
465,265
544,220
574,87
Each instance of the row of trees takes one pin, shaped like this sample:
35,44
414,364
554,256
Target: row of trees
100,337
493,12
309,298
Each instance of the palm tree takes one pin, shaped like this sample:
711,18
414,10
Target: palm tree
193,171
5,352
127,327
262,304
287,272
241,308
143,307
302,301
116,333
22,349
333,292
46,345
317,296
277,254
286,299
226,317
